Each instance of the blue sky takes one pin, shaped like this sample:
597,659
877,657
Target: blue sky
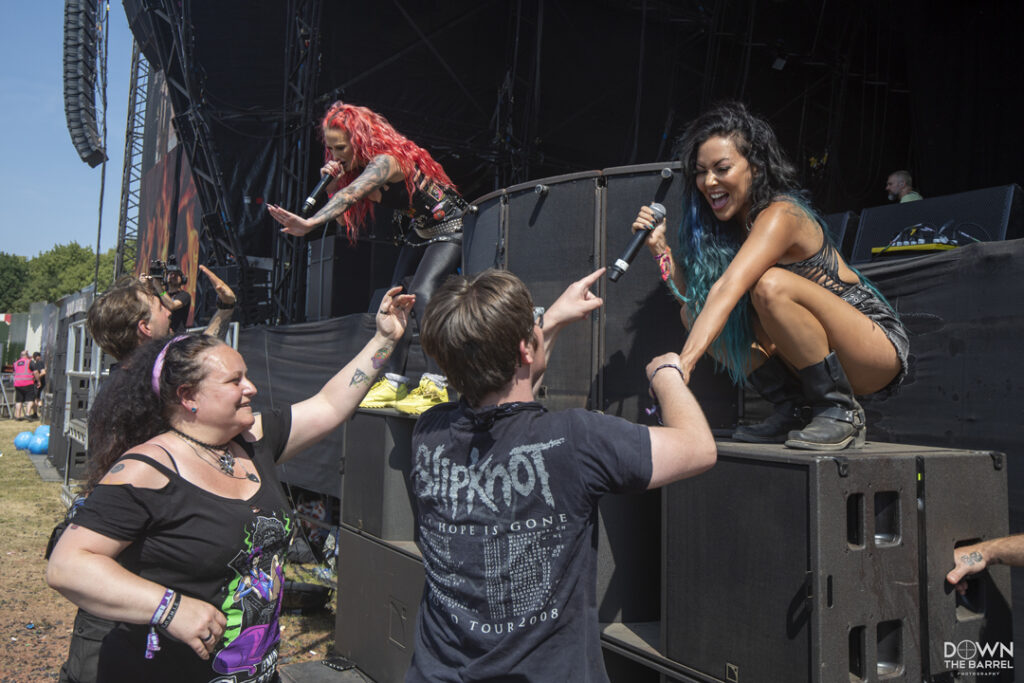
49,194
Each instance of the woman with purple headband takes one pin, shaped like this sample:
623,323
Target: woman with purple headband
183,536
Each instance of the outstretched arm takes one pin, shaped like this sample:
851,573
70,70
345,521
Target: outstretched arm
218,326
575,303
684,447
382,170
318,415
971,559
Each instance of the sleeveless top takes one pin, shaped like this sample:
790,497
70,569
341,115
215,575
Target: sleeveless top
433,210
821,267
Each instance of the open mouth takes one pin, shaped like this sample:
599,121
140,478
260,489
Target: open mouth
718,200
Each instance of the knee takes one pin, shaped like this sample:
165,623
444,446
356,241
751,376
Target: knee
770,289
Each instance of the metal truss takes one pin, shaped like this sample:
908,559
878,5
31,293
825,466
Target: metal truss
302,69
175,43
131,178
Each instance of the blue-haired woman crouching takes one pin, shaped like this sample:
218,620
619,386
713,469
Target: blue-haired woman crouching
767,294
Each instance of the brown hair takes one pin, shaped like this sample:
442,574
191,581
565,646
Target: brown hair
113,318
472,328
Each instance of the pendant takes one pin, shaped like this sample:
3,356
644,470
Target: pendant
253,477
227,463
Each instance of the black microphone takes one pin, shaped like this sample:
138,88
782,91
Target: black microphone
311,200
621,264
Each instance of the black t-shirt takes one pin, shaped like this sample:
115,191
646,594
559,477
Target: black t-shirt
38,366
179,318
228,552
506,504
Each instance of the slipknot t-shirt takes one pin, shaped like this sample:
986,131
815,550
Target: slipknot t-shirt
506,513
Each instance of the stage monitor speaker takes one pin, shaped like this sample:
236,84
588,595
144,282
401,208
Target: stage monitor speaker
483,234
988,215
843,228
342,277
786,566
377,459
550,241
379,590
641,317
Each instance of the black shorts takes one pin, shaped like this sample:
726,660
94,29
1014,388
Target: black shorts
25,394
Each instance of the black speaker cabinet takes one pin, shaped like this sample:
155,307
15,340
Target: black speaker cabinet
379,590
551,240
843,228
483,238
374,495
988,215
641,317
342,277
787,566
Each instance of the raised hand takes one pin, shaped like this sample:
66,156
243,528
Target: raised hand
199,625
575,303
393,314
224,293
293,223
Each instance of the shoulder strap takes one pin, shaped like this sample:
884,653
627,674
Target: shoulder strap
158,466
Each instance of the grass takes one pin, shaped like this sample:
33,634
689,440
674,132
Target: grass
35,621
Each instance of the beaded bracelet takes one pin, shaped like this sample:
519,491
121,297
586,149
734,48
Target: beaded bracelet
650,386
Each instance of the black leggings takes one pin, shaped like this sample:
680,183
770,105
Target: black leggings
432,266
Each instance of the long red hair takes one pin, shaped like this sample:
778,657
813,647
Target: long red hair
371,134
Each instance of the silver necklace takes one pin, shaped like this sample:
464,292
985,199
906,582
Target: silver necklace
225,460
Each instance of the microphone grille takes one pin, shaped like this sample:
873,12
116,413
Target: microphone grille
659,211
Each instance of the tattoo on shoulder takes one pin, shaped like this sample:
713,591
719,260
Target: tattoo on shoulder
359,377
117,468
381,357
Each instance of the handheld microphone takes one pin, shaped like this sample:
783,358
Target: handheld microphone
311,200
621,264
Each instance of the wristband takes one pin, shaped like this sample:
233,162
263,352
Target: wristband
171,611
650,387
162,294
224,306
162,607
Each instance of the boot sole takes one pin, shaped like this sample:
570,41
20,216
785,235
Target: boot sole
855,441
746,438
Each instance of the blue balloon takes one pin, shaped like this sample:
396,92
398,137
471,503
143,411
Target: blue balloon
39,444
42,429
22,439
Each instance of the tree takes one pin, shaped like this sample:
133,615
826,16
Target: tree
63,270
13,273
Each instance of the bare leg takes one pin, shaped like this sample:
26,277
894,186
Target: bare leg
805,321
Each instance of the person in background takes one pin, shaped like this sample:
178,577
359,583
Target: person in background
38,367
373,164
971,559
899,187
24,387
174,298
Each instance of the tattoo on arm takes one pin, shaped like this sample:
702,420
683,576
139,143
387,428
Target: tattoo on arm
360,377
374,176
381,357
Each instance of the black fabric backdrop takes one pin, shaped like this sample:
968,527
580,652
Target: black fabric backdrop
289,364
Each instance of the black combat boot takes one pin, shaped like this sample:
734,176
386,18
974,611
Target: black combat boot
782,389
838,420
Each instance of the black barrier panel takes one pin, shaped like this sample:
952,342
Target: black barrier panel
988,215
550,242
641,316
483,234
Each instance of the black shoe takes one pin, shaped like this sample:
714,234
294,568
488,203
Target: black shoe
782,389
838,420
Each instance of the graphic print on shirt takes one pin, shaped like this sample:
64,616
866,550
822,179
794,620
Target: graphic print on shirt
253,603
496,534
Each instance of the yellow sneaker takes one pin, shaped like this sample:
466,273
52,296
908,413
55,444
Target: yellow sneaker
388,389
431,391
